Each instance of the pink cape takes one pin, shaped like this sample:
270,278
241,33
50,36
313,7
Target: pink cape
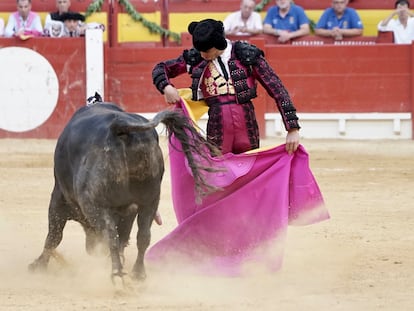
245,223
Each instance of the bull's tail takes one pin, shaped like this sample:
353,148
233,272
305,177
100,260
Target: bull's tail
196,148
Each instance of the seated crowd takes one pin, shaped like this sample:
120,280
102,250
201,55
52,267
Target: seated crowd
288,21
285,20
25,23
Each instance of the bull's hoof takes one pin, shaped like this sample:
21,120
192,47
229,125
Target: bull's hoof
139,275
117,274
121,282
37,266
138,271
59,259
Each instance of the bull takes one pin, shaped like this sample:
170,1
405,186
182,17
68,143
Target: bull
108,168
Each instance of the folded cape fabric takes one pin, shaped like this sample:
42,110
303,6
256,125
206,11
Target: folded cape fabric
244,224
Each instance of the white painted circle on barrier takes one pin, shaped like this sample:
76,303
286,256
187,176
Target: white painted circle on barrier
29,89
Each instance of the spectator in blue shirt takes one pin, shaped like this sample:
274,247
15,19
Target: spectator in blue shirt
286,21
339,21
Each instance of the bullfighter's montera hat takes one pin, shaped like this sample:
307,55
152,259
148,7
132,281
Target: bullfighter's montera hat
207,34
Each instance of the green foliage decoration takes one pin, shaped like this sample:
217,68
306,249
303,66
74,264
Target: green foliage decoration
96,6
260,6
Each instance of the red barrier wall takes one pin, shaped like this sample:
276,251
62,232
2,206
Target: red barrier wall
320,78
129,80
345,78
68,60
376,78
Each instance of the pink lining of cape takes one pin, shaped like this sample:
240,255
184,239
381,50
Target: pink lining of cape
263,191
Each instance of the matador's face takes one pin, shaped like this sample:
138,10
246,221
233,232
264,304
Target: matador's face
211,54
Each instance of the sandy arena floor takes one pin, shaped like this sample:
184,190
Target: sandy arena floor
361,259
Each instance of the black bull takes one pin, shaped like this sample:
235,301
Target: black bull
108,168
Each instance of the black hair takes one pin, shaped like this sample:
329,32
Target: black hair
402,2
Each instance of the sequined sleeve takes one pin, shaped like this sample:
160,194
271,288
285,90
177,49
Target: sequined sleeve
275,88
164,71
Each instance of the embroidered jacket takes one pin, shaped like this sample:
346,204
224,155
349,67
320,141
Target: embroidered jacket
247,65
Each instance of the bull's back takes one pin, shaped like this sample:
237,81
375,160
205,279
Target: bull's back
89,153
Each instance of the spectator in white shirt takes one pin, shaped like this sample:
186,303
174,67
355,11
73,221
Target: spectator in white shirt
23,22
244,22
402,26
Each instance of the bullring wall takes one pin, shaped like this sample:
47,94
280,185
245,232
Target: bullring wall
344,81
362,81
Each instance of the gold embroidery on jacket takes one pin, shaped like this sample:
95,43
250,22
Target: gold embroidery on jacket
216,84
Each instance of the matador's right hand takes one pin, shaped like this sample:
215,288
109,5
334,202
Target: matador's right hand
171,95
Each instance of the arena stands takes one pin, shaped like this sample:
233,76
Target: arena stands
175,15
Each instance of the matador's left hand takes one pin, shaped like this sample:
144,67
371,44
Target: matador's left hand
292,141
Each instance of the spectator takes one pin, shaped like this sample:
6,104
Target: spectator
71,24
244,22
1,27
62,7
402,26
339,21
286,21
74,24
23,22
54,29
